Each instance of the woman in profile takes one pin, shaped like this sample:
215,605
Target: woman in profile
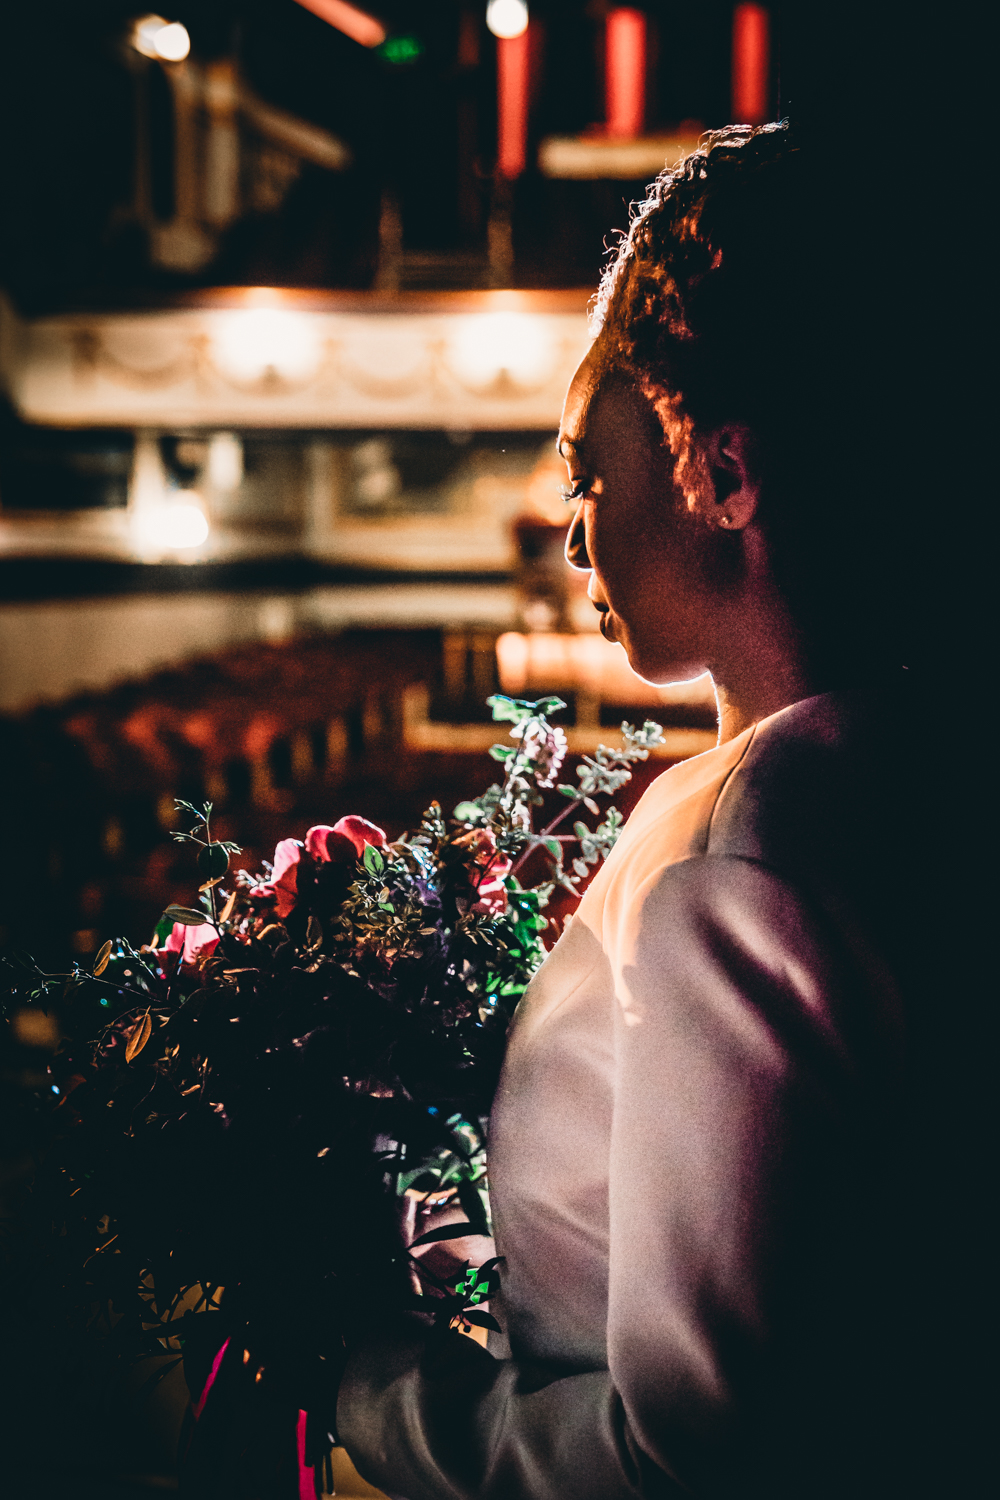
718,1148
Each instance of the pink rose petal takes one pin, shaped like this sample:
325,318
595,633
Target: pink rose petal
361,833
191,942
327,846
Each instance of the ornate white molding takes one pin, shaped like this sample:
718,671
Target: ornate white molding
487,361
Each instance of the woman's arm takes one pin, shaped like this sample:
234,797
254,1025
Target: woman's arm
427,1417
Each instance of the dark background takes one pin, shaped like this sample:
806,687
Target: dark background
425,129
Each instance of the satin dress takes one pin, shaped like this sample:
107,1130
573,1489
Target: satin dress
708,1160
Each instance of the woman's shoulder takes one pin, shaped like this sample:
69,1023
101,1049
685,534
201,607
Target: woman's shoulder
825,784
829,793
669,824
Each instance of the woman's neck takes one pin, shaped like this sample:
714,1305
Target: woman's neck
739,708
762,662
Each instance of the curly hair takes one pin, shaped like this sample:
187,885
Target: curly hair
746,289
705,259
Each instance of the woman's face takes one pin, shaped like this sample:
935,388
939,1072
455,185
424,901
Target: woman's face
652,556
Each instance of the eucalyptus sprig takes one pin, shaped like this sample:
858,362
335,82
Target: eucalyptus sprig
530,763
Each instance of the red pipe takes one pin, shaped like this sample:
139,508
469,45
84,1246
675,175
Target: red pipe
625,73
513,69
751,64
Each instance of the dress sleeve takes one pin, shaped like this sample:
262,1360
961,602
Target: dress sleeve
746,1034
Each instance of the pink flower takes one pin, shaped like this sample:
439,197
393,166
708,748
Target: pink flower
491,897
191,942
487,869
283,884
342,844
345,841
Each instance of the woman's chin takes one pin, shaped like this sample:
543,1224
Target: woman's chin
648,659
656,669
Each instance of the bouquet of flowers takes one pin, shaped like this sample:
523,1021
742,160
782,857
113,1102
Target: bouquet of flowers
294,1052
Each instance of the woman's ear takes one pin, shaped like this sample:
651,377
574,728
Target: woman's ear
730,495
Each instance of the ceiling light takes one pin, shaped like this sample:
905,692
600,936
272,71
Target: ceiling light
507,18
485,348
173,526
167,41
262,341
172,42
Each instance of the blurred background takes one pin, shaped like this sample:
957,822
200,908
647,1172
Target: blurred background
290,293
291,296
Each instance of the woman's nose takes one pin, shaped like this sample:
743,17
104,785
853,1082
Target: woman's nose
575,550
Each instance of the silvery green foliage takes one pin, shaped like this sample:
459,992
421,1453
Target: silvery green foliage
531,764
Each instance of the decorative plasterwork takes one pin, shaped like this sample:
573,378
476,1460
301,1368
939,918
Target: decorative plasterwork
497,361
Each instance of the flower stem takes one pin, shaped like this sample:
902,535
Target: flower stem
537,839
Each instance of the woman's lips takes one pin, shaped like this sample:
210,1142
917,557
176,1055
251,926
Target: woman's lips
605,623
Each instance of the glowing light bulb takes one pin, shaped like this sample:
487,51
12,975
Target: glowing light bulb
144,34
172,42
174,525
154,36
507,18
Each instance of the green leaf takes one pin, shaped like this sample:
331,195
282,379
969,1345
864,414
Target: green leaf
548,705
446,1232
372,860
554,847
483,1320
504,709
213,861
162,930
568,791
502,752
185,915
